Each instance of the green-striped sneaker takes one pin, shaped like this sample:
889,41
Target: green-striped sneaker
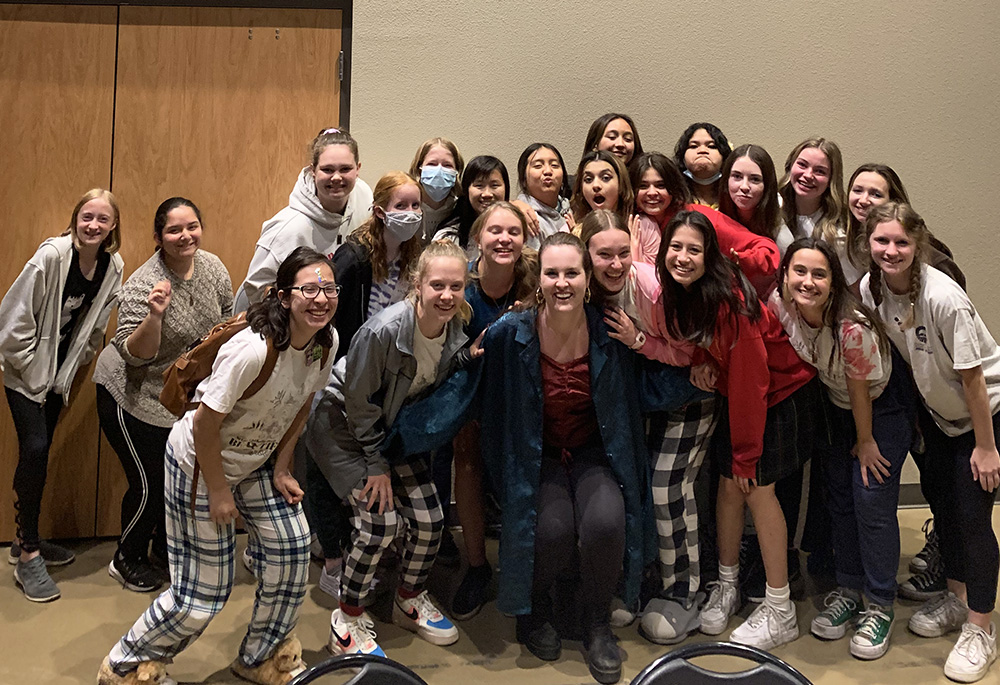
842,608
871,640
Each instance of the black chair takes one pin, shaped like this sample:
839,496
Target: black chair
675,668
371,670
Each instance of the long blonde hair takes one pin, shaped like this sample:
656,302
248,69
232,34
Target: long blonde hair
371,234
916,230
113,241
526,267
832,225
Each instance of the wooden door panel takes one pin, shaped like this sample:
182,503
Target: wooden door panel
57,67
217,105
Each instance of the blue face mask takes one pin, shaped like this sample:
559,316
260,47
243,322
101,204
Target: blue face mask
438,181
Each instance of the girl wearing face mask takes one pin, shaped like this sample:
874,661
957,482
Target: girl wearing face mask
372,269
614,133
326,205
630,294
545,187
955,364
218,466
169,302
399,354
601,183
484,182
503,275
699,154
872,185
813,201
52,321
562,433
661,193
438,165
870,412
708,301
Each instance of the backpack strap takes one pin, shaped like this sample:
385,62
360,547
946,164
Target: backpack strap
265,372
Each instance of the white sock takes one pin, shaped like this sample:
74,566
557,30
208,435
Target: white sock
779,598
729,574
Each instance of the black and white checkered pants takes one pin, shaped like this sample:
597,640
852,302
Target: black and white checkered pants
678,442
416,508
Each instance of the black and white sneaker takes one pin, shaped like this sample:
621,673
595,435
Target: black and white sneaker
138,576
926,585
931,552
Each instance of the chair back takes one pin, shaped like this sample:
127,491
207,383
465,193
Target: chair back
369,670
676,668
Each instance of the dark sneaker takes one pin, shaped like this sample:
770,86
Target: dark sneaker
54,555
752,579
931,552
926,585
471,593
138,576
538,635
35,580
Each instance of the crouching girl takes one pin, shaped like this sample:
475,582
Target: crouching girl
227,441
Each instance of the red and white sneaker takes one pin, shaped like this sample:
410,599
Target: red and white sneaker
419,615
353,634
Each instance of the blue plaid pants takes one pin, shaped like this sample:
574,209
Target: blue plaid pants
202,556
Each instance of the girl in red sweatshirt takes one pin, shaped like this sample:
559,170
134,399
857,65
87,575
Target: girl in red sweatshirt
771,398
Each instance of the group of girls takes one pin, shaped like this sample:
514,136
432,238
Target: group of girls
682,318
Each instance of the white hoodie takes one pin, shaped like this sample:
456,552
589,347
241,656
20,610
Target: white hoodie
302,222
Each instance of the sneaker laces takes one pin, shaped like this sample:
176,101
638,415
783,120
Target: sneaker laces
839,602
716,596
972,644
868,625
425,607
762,615
936,605
361,630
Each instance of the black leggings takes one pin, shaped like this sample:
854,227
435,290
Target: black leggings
35,424
140,448
581,515
963,512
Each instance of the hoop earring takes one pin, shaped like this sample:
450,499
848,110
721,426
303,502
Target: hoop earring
586,295
538,295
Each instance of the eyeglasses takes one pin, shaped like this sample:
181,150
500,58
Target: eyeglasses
310,291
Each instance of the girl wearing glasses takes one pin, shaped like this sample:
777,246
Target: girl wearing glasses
229,440
169,302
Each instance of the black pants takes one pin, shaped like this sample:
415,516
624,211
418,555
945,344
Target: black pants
329,516
963,512
35,424
140,447
581,515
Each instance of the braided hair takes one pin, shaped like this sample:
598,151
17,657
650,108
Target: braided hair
916,230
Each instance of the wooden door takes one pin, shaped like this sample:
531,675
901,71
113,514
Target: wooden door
217,105
57,70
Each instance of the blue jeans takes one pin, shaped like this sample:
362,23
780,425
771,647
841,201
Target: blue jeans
865,525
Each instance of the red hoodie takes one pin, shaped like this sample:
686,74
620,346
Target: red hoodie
757,369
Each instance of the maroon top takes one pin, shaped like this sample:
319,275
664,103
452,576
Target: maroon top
569,419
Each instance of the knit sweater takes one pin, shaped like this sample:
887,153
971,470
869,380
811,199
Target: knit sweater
195,306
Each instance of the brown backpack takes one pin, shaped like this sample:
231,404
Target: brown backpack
183,376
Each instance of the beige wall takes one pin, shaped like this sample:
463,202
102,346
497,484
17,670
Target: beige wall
915,84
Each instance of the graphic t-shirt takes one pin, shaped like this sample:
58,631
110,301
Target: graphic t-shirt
77,295
253,427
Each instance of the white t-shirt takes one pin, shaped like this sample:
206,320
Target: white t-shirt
427,352
253,427
947,336
806,227
859,357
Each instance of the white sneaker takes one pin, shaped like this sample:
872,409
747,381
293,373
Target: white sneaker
722,603
939,616
972,655
353,635
621,616
767,628
330,582
419,615
248,560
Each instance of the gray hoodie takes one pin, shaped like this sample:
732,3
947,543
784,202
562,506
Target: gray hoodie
302,222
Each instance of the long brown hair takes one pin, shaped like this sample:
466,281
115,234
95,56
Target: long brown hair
765,215
833,202
526,266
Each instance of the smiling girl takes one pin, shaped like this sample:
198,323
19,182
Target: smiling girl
767,389
484,182
326,205
956,367
228,441
169,302
749,191
52,321
614,133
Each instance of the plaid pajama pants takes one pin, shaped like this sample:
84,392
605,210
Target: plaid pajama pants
202,556
678,443
415,506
